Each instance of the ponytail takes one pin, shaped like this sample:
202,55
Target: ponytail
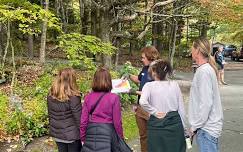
162,68
211,61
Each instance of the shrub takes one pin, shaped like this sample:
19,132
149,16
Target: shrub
127,68
3,110
77,47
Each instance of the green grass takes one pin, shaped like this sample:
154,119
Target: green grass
130,128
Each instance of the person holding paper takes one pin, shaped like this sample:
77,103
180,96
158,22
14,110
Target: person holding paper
149,54
162,99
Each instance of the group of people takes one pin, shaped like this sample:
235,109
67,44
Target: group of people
160,115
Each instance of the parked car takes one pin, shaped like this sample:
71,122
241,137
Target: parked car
229,49
237,55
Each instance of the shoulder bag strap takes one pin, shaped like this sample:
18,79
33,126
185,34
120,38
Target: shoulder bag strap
97,102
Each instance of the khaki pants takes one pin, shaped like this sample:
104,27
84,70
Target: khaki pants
141,119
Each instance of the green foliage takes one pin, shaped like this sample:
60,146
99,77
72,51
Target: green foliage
79,47
129,125
127,99
39,90
32,121
84,81
27,16
42,86
127,68
3,110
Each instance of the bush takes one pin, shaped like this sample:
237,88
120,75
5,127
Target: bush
3,110
77,47
32,119
127,68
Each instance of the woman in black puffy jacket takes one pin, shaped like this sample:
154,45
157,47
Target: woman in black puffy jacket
64,108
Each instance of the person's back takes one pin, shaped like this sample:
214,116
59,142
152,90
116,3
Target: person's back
108,111
101,120
219,57
64,118
165,96
162,99
64,108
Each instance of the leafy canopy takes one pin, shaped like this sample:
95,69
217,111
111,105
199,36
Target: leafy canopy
79,47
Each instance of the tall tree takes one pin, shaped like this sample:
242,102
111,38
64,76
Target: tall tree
30,46
43,35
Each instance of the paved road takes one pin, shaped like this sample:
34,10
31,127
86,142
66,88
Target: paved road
232,101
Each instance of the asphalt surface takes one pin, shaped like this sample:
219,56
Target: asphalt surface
232,101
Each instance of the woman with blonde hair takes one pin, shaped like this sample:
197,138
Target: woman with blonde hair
64,109
205,109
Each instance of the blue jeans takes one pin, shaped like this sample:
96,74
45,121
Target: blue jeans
206,142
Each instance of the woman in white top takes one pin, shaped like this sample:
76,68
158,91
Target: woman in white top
205,112
162,99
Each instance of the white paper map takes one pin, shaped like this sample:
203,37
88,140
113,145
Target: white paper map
120,86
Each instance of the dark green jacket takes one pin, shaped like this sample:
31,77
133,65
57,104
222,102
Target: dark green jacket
167,134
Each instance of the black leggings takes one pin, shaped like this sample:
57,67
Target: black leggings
69,147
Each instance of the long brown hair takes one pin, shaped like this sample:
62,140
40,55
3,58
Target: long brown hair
205,47
102,80
64,85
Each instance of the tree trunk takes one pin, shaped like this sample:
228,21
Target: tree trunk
187,31
118,45
173,43
81,11
30,46
157,30
57,7
204,31
94,22
145,21
14,68
94,26
63,16
105,34
1,41
43,36
6,51
85,18
131,46
157,35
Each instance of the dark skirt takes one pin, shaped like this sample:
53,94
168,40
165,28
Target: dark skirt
167,134
99,138
220,66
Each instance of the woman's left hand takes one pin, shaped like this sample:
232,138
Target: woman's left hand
191,132
160,115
